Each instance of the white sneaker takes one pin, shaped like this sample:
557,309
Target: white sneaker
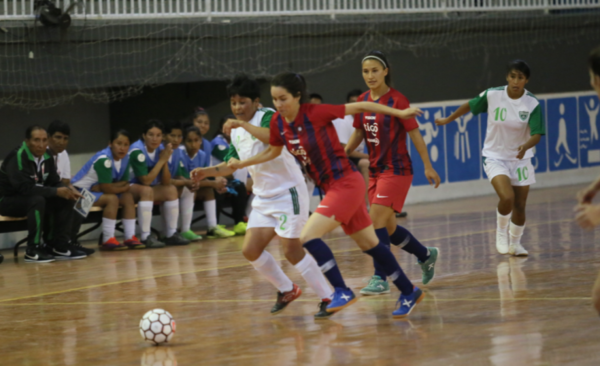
502,242
517,250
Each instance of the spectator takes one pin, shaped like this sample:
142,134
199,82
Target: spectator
30,186
315,98
201,119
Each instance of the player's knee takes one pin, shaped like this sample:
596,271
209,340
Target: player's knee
126,199
306,237
250,253
111,200
507,199
172,193
146,193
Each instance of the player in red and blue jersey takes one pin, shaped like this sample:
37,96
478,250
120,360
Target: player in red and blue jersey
308,133
391,170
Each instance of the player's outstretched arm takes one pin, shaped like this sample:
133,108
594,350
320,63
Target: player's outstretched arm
220,170
430,173
355,139
461,111
267,154
261,133
587,194
362,107
533,140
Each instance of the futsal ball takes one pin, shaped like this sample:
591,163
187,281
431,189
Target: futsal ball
157,326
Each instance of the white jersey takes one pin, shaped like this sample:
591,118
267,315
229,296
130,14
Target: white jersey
344,128
274,177
511,122
63,165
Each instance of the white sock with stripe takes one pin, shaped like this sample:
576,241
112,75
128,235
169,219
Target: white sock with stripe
268,267
129,228
210,210
171,215
108,228
186,209
144,217
310,271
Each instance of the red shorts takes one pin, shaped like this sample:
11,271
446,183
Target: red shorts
344,201
389,190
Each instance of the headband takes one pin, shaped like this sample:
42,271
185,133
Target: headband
375,58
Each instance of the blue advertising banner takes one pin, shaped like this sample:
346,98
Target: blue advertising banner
562,134
462,144
434,140
589,140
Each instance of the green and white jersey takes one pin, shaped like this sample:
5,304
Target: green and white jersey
101,171
510,122
273,177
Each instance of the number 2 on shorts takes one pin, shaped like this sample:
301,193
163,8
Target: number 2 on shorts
282,218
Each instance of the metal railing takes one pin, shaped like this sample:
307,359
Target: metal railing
156,9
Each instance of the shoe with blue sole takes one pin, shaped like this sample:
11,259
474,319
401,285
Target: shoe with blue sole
341,299
407,303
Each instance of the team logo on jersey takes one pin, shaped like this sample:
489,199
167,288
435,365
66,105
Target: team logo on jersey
523,115
300,130
107,163
141,158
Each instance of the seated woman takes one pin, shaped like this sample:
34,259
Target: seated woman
106,175
149,162
193,157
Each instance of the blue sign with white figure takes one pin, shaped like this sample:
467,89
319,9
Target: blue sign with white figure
462,144
589,139
540,151
562,133
433,136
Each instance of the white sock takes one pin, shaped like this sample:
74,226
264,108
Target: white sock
186,209
210,210
129,228
309,269
268,267
502,222
144,217
171,215
108,228
516,232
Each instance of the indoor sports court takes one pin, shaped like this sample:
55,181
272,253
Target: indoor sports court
482,309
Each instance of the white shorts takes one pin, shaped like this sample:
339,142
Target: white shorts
287,213
520,172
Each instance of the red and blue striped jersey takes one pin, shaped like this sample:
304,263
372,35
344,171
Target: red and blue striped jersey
312,139
385,135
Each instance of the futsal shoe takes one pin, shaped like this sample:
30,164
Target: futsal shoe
406,304
376,286
341,299
502,242
65,252
153,243
38,254
176,239
87,251
428,267
112,244
240,228
191,236
134,243
323,313
517,250
285,298
219,232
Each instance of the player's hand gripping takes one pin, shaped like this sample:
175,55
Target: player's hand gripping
409,113
198,174
433,177
232,123
587,216
442,121
234,163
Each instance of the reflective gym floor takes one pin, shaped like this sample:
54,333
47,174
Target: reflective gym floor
482,309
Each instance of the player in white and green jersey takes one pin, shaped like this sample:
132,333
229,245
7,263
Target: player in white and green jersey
515,126
281,203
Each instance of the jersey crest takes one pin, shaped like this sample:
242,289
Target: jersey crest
523,115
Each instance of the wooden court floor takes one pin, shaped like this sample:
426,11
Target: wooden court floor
482,309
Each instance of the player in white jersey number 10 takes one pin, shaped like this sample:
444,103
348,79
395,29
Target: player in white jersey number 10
281,203
515,125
